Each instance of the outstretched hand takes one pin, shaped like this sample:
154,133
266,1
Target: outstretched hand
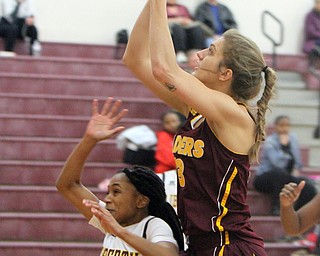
102,125
290,193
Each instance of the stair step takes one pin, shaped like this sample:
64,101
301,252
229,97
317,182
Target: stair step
19,172
72,85
48,199
75,105
54,149
268,227
73,227
20,199
35,226
38,248
59,125
281,249
64,66
71,50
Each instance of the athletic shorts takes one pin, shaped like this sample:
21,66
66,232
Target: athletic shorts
238,248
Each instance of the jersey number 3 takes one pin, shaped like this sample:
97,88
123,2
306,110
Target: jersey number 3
180,170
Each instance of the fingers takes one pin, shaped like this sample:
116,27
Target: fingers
301,185
94,107
292,191
112,110
106,106
120,115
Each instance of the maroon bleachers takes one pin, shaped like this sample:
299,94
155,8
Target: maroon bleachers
45,103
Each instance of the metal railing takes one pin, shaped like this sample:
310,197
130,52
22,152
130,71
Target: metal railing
316,72
275,43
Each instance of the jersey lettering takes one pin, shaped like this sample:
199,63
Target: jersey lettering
180,170
186,146
113,252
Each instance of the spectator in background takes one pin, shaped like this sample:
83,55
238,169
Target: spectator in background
21,13
216,16
280,164
9,33
312,33
171,122
186,33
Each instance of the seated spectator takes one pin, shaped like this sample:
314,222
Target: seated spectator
312,34
185,32
21,13
171,122
280,164
138,144
216,16
8,32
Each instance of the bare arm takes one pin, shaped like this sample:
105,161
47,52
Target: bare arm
214,105
137,59
297,222
143,246
99,128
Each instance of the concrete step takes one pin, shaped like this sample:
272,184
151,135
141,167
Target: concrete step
21,199
27,103
17,172
38,248
54,149
65,66
73,227
59,125
72,85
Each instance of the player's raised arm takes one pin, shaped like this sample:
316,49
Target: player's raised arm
137,59
100,127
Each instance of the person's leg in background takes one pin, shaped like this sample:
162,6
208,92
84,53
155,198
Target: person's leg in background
9,33
196,38
179,38
307,193
272,182
30,31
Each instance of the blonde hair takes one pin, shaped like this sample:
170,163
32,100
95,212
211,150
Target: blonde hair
246,61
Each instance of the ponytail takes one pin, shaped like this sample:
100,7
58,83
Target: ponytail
262,107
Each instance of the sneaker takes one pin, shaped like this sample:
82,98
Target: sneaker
36,48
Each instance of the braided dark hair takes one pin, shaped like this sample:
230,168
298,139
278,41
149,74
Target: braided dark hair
150,185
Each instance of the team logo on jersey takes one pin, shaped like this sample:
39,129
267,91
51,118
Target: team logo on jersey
113,252
187,146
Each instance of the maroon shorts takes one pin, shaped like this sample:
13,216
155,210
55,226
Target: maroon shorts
239,248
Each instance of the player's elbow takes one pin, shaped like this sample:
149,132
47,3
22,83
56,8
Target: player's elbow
159,72
62,185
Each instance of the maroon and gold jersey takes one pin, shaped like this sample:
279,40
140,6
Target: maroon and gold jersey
212,186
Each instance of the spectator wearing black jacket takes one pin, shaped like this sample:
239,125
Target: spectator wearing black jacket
216,16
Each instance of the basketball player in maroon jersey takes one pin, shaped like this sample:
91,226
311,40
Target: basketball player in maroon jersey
214,149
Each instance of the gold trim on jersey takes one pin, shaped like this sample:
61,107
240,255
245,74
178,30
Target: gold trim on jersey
221,251
193,112
225,209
